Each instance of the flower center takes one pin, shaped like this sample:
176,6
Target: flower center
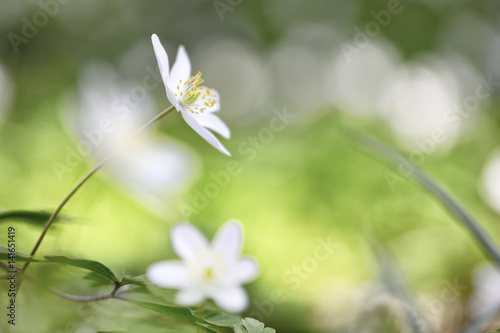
194,97
209,274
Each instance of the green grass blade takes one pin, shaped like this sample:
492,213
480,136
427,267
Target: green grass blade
379,150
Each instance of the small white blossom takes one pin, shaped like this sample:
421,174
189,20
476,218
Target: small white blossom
195,103
207,270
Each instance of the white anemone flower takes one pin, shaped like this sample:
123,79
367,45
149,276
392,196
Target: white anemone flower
207,270
196,103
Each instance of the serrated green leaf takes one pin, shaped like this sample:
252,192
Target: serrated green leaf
253,326
181,313
32,217
90,265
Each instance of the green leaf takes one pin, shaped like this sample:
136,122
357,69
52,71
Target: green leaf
90,265
31,217
217,317
253,326
97,280
210,328
181,313
5,253
138,280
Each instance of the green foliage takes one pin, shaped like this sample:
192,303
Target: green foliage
31,217
181,313
90,265
253,326
4,255
138,280
215,316
387,154
97,280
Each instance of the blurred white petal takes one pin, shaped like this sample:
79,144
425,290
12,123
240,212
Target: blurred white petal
491,181
189,297
187,241
233,299
228,240
168,274
245,270
486,296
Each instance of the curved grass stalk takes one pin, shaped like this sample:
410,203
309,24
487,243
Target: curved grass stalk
81,182
380,150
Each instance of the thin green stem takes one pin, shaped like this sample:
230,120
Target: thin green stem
92,298
81,182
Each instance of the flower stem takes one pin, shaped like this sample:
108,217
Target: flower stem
81,182
93,298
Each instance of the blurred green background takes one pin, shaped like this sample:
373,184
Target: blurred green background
296,187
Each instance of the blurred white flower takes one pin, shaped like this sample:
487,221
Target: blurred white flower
491,181
423,102
213,270
486,297
195,103
356,86
106,116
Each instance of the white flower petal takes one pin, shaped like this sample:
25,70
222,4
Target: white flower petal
228,240
181,70
189,297
205,134
161,57
168,274
187,240
214,123
233,299
245,270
